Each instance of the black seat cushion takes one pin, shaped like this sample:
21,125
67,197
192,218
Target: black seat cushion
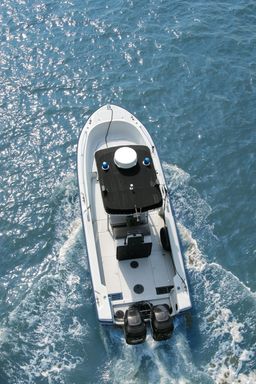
134,248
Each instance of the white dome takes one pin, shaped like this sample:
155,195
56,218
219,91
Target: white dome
125,157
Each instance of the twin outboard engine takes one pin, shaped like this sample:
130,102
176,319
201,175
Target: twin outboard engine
161,322
134,327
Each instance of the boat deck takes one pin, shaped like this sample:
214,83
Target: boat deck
154,273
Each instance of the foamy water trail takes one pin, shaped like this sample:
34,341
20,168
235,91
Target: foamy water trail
45,325
152,362
73,232
222,327
216,293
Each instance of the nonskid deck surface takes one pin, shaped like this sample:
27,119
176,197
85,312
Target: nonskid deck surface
119,277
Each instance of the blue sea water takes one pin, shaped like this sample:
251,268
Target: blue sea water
187,70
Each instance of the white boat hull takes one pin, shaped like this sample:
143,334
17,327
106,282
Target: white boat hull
162,274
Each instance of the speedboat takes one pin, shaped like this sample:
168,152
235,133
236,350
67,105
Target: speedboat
135,259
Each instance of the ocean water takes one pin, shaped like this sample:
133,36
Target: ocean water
187,70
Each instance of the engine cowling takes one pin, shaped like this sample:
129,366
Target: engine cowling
161,322
134,327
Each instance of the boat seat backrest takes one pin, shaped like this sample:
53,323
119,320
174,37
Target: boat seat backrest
133,247
133,240
120,232
123,220
117,220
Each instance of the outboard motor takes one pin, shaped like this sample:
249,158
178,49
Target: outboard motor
134,327
161,322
